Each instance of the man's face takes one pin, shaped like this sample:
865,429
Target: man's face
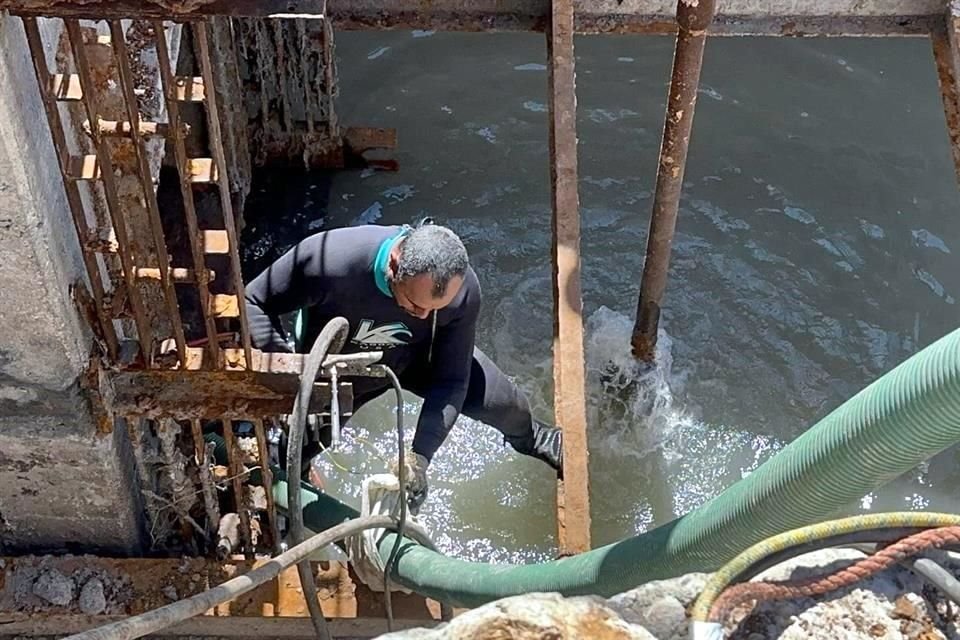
415,295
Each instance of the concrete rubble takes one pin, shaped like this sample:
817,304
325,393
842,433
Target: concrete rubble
893,605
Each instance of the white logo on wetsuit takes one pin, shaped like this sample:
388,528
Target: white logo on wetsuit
385,335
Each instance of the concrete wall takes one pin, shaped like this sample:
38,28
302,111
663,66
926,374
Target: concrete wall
62,485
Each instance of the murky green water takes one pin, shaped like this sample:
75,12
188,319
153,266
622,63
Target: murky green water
817,247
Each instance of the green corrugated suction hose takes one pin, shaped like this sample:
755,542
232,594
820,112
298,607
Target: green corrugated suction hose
905,417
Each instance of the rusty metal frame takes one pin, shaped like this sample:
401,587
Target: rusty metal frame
168,81
104,320
111,194
573,499
737,18
223,180
121,55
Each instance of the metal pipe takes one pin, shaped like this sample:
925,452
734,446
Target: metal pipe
693,18
169,615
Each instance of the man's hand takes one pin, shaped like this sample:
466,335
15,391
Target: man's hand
416,479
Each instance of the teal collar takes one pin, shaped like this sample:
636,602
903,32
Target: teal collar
380,262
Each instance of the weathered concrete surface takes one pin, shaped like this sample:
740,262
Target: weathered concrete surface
61,484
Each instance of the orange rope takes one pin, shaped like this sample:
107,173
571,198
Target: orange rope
860,570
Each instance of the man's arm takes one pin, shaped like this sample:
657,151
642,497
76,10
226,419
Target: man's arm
450,375
294,281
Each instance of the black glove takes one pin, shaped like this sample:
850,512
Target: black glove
416,479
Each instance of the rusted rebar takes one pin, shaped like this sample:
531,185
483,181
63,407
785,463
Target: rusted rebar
219,158
186,191
122,57
238,477
693,18
74,200
264,457
105,162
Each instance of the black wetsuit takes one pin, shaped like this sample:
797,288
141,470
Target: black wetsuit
341,272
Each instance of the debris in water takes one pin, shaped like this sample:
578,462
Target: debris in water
372,213
373,55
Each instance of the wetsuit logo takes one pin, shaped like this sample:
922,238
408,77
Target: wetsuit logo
385,335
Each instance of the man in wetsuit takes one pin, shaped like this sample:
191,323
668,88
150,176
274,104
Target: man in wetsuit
411,293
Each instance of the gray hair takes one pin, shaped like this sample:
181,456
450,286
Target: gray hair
432,249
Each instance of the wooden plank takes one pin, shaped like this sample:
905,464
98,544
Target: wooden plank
84,167
118,129
202,170
224,305
65,87
573,502
178,275
189,89
216,241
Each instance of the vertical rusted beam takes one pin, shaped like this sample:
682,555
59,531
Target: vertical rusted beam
205,475
264,455
70,186
329,77
693,18
186,191
219,158
946,53
573,503
238,476
127,258
146,183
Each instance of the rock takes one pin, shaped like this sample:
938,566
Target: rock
665,617
55,588
660,606
536,616
170,592
93,600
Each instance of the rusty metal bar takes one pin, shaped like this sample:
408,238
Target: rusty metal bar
738,18
74,200
308,98
264,455
208,490
186,191
329,79
238,478
122,57
569,398
226,204
127,259
946,53
693,18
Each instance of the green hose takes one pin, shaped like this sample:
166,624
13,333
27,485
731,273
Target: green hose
905,417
